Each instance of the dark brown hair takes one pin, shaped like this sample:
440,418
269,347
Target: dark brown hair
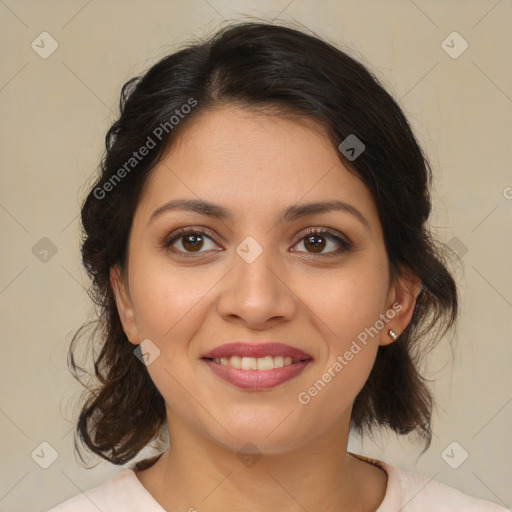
262,66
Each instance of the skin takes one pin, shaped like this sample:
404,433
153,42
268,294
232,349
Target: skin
256,165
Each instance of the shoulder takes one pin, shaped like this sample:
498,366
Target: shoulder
410,492
420,493
122,492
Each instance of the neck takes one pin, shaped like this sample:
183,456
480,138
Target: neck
196,473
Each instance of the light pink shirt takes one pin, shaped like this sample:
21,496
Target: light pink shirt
405,492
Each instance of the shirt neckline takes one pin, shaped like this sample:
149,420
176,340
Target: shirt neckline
392,497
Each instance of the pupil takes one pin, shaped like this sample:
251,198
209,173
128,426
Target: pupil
197,244
316,246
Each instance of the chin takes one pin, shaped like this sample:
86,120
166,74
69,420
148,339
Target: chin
258,436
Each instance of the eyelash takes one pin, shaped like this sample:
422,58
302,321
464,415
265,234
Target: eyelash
346,246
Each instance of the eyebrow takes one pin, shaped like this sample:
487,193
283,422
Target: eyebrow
289,215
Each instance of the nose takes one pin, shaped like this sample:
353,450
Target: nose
257,294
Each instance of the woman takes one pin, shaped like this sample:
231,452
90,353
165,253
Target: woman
258,247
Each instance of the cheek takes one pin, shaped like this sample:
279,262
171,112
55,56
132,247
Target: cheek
349,300
169,306
167,299
351,353
349,312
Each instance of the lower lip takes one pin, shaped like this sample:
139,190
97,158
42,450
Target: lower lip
256,379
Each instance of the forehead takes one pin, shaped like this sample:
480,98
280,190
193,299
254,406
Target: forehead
254,162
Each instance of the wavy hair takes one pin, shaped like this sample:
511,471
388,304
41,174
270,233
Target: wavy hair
282,70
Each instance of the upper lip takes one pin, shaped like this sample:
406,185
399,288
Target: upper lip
249,349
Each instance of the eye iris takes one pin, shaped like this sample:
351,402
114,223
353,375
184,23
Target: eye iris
317,247
197,242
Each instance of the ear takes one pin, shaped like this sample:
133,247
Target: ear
124,303
401,299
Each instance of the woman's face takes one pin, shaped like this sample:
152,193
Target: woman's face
255,276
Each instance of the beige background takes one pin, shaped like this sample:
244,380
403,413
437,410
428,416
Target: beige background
55,113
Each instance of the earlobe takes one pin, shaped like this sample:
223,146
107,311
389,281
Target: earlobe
124,304
402,300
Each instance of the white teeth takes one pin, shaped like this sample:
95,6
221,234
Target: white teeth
255,363
278,361
249,363
265,363
235,361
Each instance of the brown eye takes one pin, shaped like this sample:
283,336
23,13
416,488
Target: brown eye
317,240
189,241
192,242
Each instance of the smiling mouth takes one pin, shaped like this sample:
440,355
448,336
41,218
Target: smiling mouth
256,363
256,366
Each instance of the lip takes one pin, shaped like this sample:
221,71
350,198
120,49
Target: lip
247,349
257,379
